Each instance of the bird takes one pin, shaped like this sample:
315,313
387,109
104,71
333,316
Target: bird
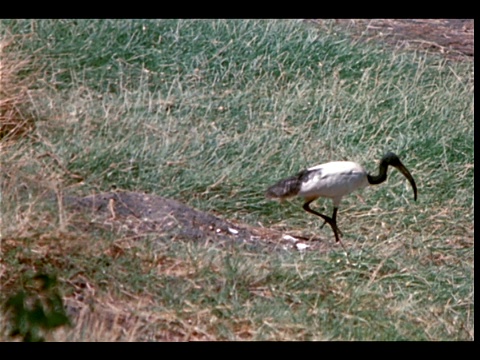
335,180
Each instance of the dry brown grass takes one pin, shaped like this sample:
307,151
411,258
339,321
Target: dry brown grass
15,113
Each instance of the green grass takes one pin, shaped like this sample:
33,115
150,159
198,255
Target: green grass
210,113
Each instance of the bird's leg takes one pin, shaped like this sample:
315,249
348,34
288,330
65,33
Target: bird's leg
324,222
332,221
334,218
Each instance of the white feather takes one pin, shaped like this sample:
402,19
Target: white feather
333,180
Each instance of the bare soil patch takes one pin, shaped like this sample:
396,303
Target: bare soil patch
138,215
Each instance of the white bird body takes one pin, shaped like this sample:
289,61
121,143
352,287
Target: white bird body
333,180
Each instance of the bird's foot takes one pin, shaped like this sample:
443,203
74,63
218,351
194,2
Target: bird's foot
336,230
339,232
334,227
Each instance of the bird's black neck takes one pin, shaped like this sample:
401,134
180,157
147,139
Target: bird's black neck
382,174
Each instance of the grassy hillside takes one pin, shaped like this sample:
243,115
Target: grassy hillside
211,113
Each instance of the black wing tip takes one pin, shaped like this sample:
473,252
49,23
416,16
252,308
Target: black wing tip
269,194
284,189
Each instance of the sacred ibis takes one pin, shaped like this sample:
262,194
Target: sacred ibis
334,180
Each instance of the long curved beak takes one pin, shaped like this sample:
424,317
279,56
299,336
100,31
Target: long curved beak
409,176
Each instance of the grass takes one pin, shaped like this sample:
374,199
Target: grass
210,113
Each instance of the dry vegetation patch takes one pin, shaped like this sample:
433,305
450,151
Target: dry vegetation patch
453,38
16,116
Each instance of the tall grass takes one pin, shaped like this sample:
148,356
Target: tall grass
211,112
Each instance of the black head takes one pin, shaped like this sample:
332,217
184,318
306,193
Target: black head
392,159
